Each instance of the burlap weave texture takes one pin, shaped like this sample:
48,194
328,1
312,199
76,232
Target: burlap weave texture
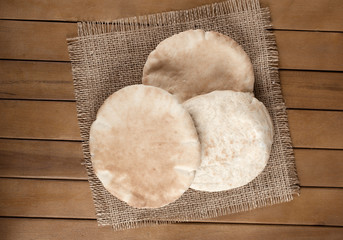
109,56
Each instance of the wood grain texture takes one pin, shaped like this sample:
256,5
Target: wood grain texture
57,120
310,50
315,206
299,14
62,160
36,80
312,90
35,40
53,80
320,168
72,199
51,229
320,129
47,41
41,159
45,198
39,120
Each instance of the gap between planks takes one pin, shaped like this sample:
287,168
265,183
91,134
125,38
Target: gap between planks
181,222
70,179
74,22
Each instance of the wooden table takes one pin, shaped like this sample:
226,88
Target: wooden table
43,189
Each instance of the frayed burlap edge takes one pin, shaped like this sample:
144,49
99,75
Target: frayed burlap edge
160,19
280,109
167,18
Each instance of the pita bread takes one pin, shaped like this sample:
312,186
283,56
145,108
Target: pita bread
144,146
195,62
236,135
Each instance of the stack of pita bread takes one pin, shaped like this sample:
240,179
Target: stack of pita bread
193,123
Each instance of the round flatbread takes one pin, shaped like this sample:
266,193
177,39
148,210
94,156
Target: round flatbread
236,135
144,146
195,62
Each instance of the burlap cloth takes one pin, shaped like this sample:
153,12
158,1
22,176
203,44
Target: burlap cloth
107,56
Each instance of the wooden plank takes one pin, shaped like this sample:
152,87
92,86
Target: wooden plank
39,119
51,80
299,14
72,199
321,168
312,90
41,159
36,80
316,129
310,50
47,41
24,228
62,160
45,198
57,120
35,40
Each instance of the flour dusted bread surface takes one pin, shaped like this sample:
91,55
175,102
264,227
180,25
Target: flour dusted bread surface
144,146
236,135
195,62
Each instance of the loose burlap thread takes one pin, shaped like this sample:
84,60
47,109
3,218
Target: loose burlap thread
107,56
